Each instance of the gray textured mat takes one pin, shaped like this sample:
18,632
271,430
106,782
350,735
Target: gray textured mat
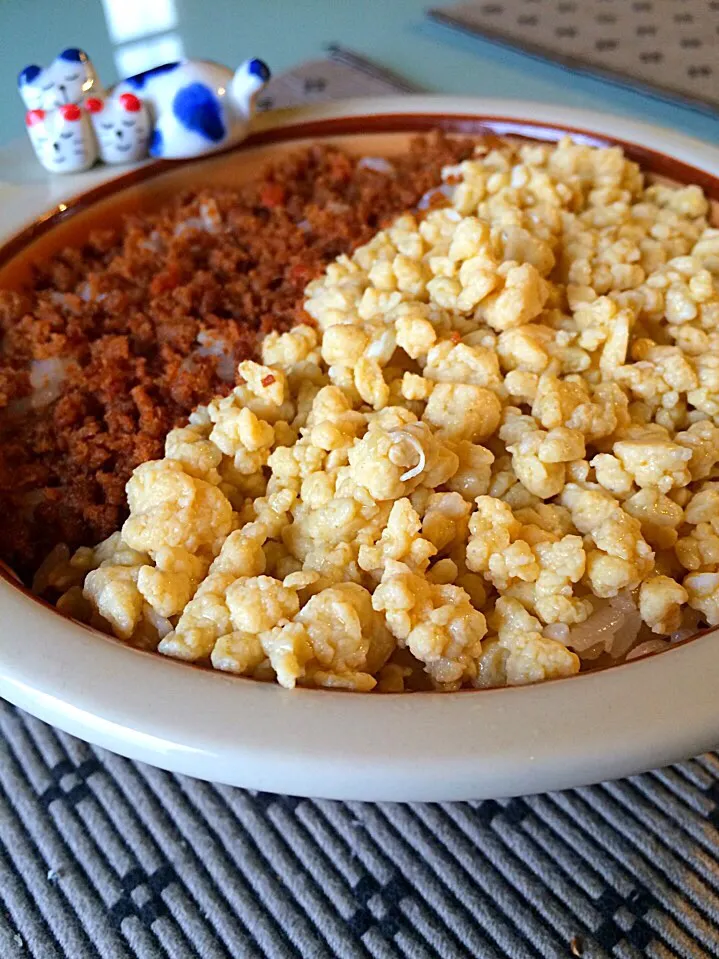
668,47
103,857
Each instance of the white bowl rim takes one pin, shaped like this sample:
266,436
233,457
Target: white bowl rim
468,745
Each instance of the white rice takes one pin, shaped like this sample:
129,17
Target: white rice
46,379
612,628
84,291
154,243
191,223
209,220
160,623
213,345
61,299
446,190
378,164
615,628
645,648
211,216
691,624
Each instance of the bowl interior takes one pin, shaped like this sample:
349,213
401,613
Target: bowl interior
150,186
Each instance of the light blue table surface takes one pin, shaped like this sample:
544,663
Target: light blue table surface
135,34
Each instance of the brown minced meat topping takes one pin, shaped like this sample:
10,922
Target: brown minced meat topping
123,314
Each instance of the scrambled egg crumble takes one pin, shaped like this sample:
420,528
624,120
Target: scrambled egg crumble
492,453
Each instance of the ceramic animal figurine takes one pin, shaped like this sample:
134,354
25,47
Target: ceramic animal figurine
63,139
176,110
122,127
197,106
69,78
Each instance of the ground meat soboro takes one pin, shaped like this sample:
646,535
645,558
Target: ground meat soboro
144,323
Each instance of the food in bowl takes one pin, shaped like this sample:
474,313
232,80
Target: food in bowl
119,339
485,456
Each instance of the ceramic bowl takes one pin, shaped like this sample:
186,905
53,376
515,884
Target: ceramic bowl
423,746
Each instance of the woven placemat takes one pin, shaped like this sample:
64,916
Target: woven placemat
104,858
341,75
666,47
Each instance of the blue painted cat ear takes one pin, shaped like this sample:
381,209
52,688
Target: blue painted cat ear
74,55
28,74
258,68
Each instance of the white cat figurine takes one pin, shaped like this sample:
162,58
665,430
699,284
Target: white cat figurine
69,78
176,110
122,127
63,139
197,106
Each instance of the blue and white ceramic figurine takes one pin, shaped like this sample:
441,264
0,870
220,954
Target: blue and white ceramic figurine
63,138
69,79
122,127
174,111
197,106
